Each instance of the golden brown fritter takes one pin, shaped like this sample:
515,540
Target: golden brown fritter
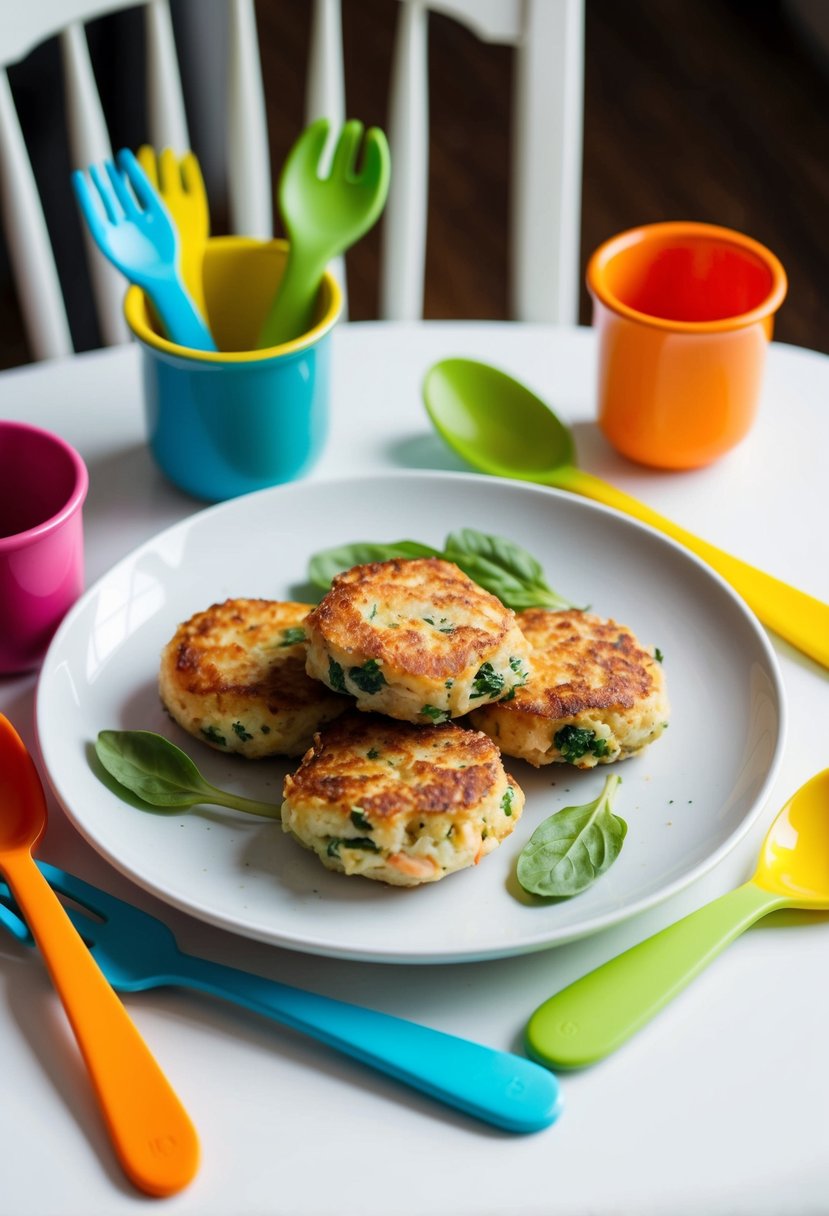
234,677
596,694
415,639
400,803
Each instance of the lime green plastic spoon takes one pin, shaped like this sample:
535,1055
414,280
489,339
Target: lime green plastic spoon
588,1020
500,427
323,216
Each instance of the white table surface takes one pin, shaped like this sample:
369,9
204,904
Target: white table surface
718,1106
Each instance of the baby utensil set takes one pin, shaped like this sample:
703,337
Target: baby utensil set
149,216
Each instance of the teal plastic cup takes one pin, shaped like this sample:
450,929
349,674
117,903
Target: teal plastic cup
223,423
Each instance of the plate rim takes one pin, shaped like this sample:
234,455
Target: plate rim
320,948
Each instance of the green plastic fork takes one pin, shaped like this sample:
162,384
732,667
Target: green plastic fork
323,216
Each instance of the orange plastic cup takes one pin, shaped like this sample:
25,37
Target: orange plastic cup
684,312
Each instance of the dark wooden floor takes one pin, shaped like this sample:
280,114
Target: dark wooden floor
701,109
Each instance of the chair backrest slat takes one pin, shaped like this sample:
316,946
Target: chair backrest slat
30,251
249,164
547,143
404,223
545,170
325,89
89,144
165,102
325,85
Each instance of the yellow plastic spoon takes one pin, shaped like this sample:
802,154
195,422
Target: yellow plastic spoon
150,1130
181,185
589,1019
500,427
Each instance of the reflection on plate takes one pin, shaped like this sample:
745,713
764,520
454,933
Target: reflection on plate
687,799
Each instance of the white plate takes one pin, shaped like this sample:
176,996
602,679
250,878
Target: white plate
687,799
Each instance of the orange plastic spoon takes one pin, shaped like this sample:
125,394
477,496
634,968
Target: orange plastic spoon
152,1135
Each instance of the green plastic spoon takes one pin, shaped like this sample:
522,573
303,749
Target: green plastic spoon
500,427
585,1022
323,216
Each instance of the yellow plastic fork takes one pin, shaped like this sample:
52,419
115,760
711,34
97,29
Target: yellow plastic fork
181,185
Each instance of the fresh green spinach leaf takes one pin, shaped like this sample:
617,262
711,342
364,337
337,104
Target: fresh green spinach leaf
163,775
572,848
498,565
326,565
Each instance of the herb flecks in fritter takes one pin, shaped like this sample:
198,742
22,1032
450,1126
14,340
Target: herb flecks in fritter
595,694
415,639
234,677
432,800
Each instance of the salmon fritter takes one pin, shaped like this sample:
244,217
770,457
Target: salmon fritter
415,639
400,803
596,694
234,677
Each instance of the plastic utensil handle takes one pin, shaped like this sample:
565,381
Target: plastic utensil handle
178,314
592,1017
495,1086
292,311
150,1130
799,618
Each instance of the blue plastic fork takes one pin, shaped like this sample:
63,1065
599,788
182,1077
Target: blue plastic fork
137,234
137,951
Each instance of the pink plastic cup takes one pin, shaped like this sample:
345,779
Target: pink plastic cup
43,484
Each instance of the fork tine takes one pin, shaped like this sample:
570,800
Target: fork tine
345,153
12,920
147,160
191,174
88,208
306,153
146,194
122,191
105,194
92,898
169,174
376,165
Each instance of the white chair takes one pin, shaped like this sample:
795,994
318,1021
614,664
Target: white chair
546,166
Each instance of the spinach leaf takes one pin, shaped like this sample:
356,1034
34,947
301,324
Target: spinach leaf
499,566
503,568
336,676
572,848
487,683
350,842
163,775
368,678
292,636
326,565
576,741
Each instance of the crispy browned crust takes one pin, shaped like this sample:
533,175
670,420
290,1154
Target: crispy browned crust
462,768
233,650
580,663
418,588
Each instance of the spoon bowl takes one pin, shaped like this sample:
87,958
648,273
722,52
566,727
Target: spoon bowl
590,1018
496,423
499,426
22,804
794,860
